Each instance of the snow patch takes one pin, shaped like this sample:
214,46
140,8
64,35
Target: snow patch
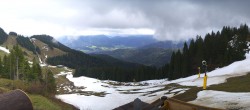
179,90
224,100
30,62
5,50
45,47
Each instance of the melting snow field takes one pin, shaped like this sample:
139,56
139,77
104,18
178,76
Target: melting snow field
117,95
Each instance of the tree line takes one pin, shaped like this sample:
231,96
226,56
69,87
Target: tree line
218,49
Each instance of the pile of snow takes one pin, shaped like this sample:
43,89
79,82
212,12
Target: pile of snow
224,100
4,49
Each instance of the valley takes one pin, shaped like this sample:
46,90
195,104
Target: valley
125,55
127,48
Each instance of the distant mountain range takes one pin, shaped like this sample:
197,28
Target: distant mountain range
92,44
142,49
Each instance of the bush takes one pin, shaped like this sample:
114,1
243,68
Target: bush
36,88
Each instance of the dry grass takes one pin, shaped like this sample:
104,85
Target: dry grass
50,52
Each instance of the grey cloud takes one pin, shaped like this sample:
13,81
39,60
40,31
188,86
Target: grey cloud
171,19
174,20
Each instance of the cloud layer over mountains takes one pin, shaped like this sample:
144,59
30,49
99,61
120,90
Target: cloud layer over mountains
166,19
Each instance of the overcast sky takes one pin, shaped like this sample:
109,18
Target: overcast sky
165,19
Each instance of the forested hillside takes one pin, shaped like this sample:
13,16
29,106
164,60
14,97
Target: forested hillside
98,67
147,56
26,43
218,49
3,36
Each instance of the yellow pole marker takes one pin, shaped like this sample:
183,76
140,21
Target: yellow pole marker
204,66
205,82
199,72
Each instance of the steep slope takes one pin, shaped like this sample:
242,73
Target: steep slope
51,42
11,41
47,52
32,48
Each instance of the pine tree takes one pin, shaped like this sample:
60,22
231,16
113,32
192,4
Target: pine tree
218,49
185,60
1,68
171,67
51,84
36,71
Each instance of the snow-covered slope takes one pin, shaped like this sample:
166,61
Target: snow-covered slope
151,90
116,95
4,49
219,75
